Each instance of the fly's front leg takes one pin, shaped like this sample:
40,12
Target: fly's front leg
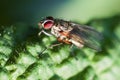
42,31
48,34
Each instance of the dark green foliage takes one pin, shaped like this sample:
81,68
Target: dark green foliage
20,47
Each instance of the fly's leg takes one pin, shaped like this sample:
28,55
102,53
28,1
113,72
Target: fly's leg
42,31
67,41
48,34
71,46
72,52
50,47
54,45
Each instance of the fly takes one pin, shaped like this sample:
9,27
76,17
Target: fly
71,33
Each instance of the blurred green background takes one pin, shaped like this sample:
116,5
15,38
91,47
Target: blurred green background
20,44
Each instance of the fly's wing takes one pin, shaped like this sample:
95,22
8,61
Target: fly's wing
87,36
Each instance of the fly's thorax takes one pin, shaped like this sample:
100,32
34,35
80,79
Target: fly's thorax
55,31
65,25
59,26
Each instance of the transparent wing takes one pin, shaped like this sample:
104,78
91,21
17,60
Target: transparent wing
87,35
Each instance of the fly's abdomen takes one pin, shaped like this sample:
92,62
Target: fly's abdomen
78,44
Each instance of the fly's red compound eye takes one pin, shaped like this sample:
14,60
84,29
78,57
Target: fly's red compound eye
48,24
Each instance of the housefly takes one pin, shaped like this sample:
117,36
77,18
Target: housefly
71,33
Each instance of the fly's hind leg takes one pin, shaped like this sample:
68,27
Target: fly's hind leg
72,52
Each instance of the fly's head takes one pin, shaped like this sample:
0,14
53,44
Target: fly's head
46,23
